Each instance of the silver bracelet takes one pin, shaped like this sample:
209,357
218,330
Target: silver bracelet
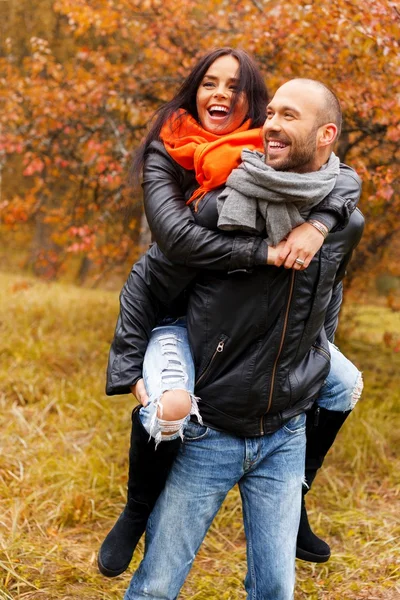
321,228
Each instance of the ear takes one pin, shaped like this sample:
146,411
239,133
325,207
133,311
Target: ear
326,135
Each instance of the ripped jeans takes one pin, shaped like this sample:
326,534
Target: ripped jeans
168,365
343,386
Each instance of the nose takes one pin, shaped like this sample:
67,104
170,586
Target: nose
220,92
272,123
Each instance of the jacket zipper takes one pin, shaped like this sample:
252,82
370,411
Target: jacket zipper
279,350
322,351
218,350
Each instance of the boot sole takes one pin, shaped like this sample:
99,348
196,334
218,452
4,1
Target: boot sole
311,557
109,572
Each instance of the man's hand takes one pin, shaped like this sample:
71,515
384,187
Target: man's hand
303,242
139,391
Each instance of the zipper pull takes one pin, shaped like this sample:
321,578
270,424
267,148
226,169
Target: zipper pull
220,346
316,417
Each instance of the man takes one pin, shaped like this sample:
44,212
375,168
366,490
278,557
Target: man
260,348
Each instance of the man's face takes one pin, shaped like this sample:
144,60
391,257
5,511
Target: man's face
291,128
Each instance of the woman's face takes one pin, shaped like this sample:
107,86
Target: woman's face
214,97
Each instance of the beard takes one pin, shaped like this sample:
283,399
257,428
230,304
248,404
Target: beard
301,154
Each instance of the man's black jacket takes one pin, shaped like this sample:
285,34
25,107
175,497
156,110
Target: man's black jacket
258,334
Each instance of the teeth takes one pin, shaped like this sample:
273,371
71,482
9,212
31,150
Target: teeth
277,144
224,109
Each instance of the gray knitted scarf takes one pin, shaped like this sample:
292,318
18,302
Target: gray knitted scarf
257,197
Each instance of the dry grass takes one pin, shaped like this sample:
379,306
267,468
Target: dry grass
63,452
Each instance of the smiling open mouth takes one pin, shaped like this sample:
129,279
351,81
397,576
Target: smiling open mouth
218,111
276,145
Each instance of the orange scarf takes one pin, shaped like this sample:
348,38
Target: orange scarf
211,156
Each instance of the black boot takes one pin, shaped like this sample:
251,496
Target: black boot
148,471
309,546
322,428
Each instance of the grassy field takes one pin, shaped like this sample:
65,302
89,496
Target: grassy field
63,460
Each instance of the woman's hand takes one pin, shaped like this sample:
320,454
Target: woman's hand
274,252
139,391
303,242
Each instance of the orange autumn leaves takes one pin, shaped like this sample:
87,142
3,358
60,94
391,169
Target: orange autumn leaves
74,117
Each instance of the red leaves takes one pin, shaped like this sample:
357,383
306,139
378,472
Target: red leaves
85,239
386,192
36,165
9,146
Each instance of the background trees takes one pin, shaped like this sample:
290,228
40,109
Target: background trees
80,80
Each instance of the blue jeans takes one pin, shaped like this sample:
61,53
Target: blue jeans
269,471
343,386
168,365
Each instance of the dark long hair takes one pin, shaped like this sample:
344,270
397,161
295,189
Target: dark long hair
250,81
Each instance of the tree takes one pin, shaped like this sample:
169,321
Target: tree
75,118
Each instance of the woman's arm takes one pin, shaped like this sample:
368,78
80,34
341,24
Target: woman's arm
153,284
185,242
175,230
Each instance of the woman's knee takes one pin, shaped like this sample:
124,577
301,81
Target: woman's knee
174,405
357,390
341,393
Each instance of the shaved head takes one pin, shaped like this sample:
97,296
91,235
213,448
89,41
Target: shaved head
330,111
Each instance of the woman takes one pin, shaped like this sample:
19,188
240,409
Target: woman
193,145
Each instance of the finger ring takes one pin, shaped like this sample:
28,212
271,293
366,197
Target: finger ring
299,261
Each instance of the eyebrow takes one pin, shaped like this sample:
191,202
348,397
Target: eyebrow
214,78
284,108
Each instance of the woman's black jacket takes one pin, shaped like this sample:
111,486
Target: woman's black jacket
258,333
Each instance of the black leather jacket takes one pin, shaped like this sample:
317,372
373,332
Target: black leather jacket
258,333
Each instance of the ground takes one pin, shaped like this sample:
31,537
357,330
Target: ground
63,460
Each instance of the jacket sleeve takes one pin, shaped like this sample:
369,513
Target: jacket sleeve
335,210
174,229
332,314
152,285
356,227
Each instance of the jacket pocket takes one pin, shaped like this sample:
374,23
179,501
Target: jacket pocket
323,351
215,358
307,377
